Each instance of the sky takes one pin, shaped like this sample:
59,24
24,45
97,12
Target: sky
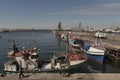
45,14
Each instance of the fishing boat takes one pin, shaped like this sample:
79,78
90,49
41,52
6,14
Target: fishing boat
69,62
26,58
76,42
64,37
95,51
100,35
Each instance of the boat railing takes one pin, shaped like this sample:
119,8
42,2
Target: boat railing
9,67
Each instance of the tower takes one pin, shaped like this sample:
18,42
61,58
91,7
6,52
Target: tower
79,26
59,26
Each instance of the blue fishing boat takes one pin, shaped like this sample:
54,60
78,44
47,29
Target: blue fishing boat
95,52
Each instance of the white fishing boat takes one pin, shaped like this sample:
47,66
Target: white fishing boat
100,35
69,62
64,37
28,60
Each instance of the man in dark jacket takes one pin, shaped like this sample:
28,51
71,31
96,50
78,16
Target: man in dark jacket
20,70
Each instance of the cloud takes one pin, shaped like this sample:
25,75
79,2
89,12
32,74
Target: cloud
92,10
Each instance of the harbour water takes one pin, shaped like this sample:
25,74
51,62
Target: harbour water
47,43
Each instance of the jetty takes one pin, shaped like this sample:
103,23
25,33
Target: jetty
56,76
111,43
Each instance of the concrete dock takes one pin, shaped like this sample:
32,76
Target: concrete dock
56,76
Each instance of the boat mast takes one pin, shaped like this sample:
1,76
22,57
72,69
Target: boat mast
67,49
97,38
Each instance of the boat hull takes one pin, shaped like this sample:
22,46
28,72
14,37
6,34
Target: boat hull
76,47
98,58
72,69
96,54
77,68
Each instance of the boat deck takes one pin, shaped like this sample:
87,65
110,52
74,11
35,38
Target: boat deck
54,76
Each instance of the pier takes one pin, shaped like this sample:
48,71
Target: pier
54,76
111,43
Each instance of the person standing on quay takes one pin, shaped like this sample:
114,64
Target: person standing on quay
20,70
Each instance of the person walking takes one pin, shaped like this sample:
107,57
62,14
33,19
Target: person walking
20,70
21,73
